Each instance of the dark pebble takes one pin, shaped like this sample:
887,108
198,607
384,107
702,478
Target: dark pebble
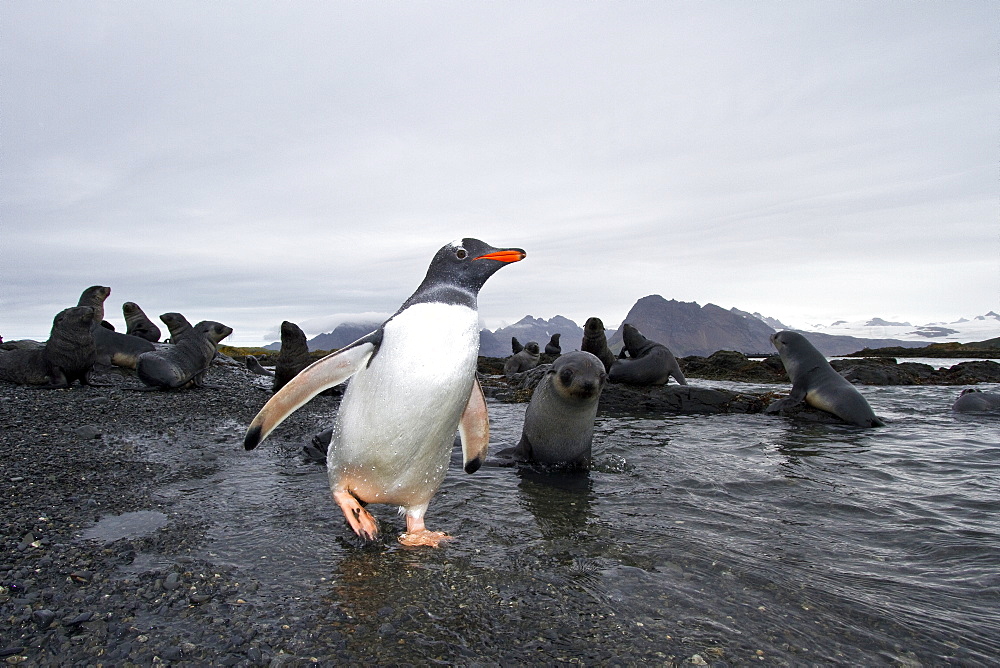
171,582
79,619
43,618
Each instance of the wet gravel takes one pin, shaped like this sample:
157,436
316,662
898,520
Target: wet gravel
75,458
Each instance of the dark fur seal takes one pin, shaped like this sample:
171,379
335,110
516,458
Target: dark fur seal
69,354
559,421
138,324
184,363
177,325
254,365
648,363
595,341
523,361
552,347
818,384
515,346
976,401
113,348
293,356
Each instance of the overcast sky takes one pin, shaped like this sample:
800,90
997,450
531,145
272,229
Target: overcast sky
253,162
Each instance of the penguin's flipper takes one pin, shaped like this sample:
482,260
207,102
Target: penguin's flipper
332,370
474,430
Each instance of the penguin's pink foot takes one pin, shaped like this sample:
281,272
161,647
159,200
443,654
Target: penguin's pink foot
418,535
423,538
361,520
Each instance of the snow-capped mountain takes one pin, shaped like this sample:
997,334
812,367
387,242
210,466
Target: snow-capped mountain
963,330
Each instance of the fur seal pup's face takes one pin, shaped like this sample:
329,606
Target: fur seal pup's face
75,317
531,347
214,331
579,375
593,326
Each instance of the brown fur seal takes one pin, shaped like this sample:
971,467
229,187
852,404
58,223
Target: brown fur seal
184,363
293,356
138,324
648,363
559,421
254,365
595,341
525,360
178,326
818,384
552,347
113,348
68,355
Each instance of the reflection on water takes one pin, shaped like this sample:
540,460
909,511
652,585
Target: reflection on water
738,537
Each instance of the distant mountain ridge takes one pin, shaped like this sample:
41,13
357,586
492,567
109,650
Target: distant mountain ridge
688,328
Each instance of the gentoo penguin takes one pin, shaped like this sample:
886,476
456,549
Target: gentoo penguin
413,383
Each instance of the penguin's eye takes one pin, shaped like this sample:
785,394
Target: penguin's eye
461,254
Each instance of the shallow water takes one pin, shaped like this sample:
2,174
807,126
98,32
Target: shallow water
741,537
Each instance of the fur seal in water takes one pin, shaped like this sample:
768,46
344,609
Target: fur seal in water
113,348
177,325
559,421
67,356
525,360
413,383
976,401
648,363
818,384
552,347
595,341
138,324
184,363
293,356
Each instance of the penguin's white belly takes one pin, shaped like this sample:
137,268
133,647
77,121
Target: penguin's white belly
393,438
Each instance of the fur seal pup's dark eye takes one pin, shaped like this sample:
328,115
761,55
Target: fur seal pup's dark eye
461,254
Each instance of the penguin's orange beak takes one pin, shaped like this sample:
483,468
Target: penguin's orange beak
509,255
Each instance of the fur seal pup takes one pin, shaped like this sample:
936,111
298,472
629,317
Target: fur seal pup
67,356
177,325
525,360
184,363
648,362
413,383
595,341
515,346
293,356
818,384
113,348
559,421
138,324
976,401
254,365
552,347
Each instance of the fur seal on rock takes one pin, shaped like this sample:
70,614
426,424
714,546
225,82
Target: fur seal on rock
525,360
413,384
68,355
648,363
976,401
138,324
559,421
254,365
552,347
113,348
293,356
177,325
184,363
595,341
818,384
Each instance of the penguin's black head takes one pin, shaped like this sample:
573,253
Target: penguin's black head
459,270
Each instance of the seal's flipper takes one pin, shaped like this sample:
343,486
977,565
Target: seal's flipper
474,430
332,370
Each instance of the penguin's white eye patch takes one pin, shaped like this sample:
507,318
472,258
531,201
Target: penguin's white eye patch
461,254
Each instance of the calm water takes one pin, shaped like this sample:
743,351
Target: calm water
741,538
